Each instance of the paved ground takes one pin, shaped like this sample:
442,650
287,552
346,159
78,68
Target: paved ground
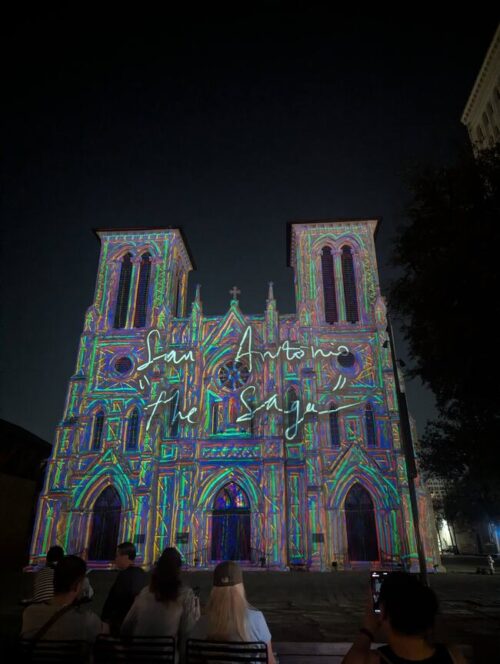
315,607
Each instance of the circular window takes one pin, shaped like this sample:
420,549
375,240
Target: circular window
233,375
123,365
346,360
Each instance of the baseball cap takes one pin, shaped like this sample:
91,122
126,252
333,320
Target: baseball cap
227,573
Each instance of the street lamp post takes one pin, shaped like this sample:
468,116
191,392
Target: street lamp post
409,454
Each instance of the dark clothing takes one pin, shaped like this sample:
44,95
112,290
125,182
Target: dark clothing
127,586
441,656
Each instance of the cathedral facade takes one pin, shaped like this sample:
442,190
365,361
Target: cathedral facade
272,439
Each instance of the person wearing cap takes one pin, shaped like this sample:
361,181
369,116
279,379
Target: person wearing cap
228,616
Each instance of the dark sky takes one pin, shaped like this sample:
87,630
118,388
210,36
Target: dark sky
226,125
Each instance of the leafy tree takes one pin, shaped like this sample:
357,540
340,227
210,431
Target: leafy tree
447,300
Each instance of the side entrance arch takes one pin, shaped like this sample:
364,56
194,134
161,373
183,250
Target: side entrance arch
362,539
105,525
231,524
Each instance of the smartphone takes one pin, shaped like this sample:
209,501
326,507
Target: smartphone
376,579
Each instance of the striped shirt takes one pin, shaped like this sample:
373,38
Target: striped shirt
44,585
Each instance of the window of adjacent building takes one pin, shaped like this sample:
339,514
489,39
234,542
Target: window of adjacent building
371,434
334,425
122,299
97,430
141,302
329,294
349,279
133,430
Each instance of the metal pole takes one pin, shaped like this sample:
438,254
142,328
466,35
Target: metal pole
409,454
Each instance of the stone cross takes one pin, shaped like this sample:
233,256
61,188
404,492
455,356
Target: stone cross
235,292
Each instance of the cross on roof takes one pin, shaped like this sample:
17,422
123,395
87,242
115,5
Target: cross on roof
235,291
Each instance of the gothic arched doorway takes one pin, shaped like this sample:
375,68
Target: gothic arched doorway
360,525
105,525
231,524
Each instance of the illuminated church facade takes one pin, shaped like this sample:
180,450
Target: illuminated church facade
266,438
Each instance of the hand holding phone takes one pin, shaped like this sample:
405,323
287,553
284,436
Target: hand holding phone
376,579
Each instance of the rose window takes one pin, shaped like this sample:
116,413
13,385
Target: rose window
233,375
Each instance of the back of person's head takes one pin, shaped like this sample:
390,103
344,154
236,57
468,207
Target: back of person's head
54,555
408,605
166,576
227,607
127,549
69,572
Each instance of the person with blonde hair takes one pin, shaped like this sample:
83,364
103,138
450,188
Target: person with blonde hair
228,615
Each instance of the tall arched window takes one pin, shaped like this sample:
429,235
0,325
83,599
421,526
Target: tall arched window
371,434
97,430
178,297
329,295
141,302
174,416
215,418
133,430
291,426
123,292
334,425
349,279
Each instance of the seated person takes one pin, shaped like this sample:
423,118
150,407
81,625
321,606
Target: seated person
408,613
62,617
44,580
166,607
129,582
229,617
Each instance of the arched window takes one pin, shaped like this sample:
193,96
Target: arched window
233,411
174,416
329,295
177,291
215,417
291,426
97,430
141,302
133,430
334,425
360,525
371,434
349,279
123,292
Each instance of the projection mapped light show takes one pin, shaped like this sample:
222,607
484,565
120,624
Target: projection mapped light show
272,439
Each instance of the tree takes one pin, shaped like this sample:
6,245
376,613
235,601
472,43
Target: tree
447,300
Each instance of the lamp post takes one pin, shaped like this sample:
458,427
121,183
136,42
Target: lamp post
409,454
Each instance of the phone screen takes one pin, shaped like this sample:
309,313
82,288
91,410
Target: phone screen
376,579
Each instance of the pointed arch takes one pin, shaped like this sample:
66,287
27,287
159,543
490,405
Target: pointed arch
122,298
133,430
329,293
371,430
141,301
333,417
105,525
231,528
97,430
349,281
211,486
362,540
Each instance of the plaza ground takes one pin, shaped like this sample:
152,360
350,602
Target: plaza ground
321,608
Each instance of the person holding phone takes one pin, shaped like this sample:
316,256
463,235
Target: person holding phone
408,612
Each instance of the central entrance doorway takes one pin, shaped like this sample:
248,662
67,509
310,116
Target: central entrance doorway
360,523
231,524
105,525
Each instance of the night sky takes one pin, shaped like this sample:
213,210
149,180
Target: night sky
228,126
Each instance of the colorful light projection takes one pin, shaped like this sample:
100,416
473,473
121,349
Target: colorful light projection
232,435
